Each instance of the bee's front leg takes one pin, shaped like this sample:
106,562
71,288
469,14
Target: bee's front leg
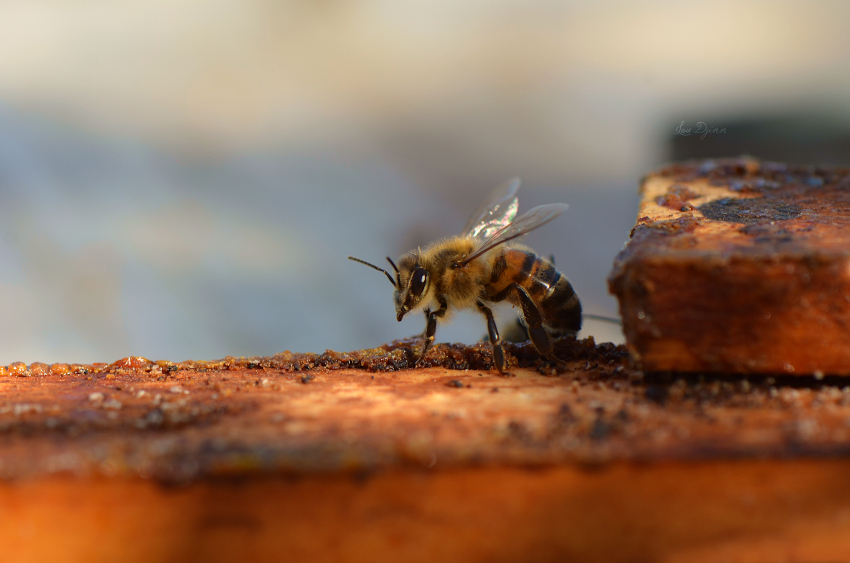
431,327
427,318
495,341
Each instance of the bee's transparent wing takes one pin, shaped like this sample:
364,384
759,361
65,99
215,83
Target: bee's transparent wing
532,219
497,212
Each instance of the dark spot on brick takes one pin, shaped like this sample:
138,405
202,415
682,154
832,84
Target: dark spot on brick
750,210
307,378
600,430
519,431
657,394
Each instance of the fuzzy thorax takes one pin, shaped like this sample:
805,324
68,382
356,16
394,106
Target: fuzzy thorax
460,284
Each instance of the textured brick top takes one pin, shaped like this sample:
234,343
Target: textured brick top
739,266
366,411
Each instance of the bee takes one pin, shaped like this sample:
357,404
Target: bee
481,267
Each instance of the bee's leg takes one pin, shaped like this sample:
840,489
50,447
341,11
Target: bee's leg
534,324
498,353
427,317
431,327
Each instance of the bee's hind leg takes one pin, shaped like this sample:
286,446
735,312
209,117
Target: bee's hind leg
534,324
498,353
431,327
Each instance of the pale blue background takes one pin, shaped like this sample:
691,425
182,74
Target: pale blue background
186,181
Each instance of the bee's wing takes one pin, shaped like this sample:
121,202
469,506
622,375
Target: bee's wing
497,211
532,219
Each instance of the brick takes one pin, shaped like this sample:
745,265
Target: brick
739,266
236,459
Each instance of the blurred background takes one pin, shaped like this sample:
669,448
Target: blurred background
185,180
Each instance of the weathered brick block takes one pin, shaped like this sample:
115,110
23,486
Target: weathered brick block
739,266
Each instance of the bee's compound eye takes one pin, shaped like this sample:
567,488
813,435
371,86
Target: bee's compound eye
417,281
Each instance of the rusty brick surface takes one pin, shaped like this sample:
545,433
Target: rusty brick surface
306,414
739,266
355,457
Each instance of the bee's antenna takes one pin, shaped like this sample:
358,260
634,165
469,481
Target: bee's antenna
389,277
392,264
601,318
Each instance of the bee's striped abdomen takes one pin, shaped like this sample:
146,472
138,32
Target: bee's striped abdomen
552,293
561,308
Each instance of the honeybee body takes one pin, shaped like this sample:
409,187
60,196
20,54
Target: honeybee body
478,268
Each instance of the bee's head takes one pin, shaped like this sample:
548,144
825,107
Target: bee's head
411,282
411,287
